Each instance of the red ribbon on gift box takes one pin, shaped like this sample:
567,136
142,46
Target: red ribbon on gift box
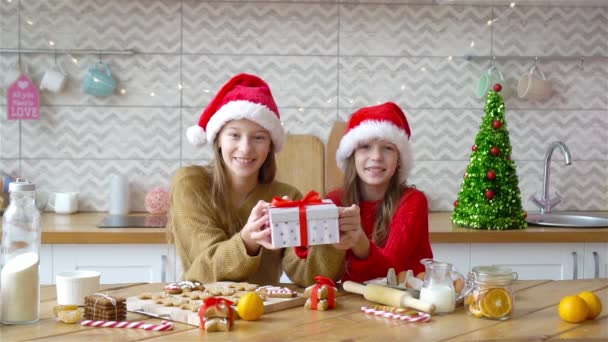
331,295
311,198
218,303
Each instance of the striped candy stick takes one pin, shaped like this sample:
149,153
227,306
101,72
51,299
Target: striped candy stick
163,326
408,317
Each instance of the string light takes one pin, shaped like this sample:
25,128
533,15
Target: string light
152,94
51,43
472,43
450,58
29,22
179,86
512,4
123,91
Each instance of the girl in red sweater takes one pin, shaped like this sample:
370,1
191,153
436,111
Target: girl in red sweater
383,222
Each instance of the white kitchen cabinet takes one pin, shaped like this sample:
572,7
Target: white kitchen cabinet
46,264
553,261
127,263
596,260
458,254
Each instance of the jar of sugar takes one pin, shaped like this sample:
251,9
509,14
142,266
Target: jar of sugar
20,261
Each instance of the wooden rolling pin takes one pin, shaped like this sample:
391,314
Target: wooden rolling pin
388,296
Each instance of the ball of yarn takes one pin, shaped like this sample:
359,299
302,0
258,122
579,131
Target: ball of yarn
157,201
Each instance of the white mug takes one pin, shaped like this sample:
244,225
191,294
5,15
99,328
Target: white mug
64,202
533,88
54,79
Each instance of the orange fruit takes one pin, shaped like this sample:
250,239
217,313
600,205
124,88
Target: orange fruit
496,303
474,310
573,309
250,307
593,302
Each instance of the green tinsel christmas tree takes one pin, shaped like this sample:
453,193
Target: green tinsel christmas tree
489,197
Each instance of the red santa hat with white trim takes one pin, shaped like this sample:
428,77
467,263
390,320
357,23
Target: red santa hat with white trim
387,122
243,97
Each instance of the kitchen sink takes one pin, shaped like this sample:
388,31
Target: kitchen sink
573,219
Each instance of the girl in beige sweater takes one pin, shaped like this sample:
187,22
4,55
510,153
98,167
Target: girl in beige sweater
219,213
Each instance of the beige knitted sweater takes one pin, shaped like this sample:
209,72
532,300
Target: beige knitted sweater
208,254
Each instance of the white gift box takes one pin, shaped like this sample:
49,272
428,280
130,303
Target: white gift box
321,219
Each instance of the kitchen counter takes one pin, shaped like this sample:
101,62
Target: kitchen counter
81,229
534,318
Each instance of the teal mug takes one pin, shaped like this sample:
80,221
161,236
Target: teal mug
99,80
487,81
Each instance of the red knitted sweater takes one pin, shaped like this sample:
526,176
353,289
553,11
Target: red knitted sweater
407,243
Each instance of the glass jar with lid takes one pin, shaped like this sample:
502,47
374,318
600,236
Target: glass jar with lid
489,292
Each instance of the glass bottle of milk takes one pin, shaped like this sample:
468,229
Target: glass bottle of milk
20,266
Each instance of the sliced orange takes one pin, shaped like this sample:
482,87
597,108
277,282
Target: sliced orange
474,310
496,303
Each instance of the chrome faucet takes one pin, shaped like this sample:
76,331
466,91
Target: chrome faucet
545,203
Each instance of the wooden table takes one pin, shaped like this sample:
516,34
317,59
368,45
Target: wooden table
534,319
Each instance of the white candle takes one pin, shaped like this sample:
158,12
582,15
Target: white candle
20,290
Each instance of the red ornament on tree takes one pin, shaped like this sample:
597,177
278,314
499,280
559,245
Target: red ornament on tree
489,194
495,151
456,203
497,87
496,124
491,175
474,148
525,214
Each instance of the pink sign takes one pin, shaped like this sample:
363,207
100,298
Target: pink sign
23,100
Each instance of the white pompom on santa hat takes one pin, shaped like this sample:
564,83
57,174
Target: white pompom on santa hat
243,97
386,122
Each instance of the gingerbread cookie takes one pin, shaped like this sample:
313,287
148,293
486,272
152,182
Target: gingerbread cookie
277,291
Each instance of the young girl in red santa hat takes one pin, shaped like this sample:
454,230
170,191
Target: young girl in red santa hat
219,212
384,222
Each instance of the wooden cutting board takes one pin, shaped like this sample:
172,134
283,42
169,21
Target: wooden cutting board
148,306
333,175
301,163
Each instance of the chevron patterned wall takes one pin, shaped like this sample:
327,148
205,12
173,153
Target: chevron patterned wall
323,60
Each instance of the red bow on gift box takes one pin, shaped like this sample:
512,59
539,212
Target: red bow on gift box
311,198
331,295
220,304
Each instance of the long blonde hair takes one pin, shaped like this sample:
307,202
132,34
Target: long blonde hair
222,207
384,214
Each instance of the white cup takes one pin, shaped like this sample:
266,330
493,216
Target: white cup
119,195
54,79
73,286
64,202
532,87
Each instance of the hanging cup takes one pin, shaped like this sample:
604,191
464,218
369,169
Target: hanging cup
54,79
533,87
99,81
488,79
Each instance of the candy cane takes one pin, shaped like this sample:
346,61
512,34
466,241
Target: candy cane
413,317
164,325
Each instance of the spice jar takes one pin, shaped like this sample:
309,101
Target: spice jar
489,292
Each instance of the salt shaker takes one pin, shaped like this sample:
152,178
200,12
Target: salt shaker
20,262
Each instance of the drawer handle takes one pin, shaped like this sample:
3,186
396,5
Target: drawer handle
574,265
163,268
596,261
